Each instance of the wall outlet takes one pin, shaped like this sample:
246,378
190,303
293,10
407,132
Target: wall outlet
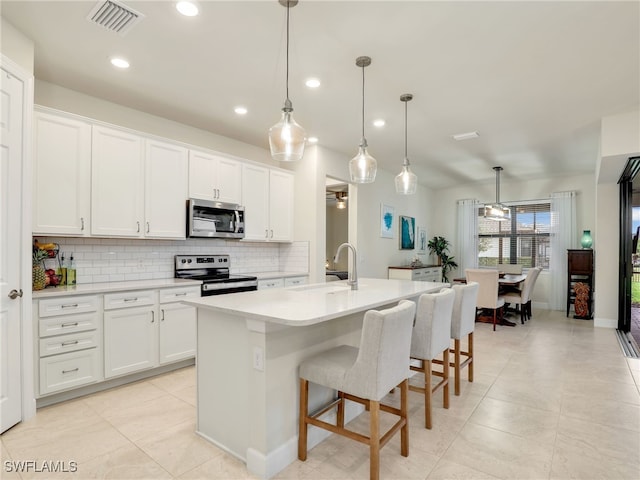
140,265
258,359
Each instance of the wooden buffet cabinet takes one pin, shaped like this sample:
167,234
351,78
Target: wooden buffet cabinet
580,270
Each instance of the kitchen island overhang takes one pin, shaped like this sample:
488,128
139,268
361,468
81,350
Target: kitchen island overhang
249,347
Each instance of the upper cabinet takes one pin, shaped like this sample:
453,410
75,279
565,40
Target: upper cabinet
117,198
267,196
61,175
165,190
214,178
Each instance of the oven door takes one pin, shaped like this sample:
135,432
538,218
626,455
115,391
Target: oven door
220,288
214,219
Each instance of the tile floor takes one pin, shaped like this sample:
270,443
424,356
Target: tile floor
552,399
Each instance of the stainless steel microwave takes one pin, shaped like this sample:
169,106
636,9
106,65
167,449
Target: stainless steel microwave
214,219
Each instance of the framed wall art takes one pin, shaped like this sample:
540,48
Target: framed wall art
407,233
422,241
386,220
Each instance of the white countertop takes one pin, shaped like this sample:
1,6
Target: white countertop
107,287
270,275
315,303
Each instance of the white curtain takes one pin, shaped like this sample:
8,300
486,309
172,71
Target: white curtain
563,237
467,251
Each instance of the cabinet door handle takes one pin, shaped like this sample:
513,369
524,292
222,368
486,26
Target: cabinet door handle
72,370
65,325
147,227
218,192
70,305
153,316
66,344
266,233
134,299
162,316
82,224
271,234
138,230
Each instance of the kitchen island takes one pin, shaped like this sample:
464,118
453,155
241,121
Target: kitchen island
249,347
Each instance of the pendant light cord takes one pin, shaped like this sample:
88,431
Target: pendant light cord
363,102
287,77
405,131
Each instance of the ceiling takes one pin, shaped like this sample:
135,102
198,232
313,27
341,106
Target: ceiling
532,78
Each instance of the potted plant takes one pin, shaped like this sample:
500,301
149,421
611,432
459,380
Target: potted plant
440,246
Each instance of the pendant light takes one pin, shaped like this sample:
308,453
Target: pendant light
286,138
341,198
363,167
497,211
406,180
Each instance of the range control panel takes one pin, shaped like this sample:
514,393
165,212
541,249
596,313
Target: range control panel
184,262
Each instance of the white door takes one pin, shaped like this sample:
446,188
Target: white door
11,103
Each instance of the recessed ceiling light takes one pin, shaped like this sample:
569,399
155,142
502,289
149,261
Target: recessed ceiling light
312,140
465,136
188,9
312,83
379,123
119,62
240,110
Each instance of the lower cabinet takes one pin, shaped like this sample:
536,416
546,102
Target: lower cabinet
89,338
177,332
424,274
130,340
282,282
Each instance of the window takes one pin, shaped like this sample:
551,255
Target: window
524,239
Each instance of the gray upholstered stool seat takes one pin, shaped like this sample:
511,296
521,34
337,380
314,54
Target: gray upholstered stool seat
463,320
430,338
364,375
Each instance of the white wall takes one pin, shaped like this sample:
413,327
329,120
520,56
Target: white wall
54,96
16,46
620,139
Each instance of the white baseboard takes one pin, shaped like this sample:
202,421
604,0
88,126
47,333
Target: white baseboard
605,322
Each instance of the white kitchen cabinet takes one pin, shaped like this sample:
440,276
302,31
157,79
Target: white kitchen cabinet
61,175
424,274
267,196
177,324
69,343
214,178
130,333
117,183
270,283
294,281
165,190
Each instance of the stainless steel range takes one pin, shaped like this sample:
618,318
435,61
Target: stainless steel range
213,270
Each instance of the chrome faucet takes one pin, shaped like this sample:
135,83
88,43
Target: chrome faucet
353,272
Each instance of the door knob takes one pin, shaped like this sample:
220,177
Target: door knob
13,294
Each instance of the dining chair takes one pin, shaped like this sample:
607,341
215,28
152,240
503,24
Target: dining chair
510,268
523,296
487,291
364,375
432,337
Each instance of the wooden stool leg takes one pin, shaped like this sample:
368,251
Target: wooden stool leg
404,413
456,366
471,362
494,319
340,413
302,434
445,378
427,393
374,440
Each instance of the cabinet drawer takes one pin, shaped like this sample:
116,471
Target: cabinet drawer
68,343
418,274
65,305
292,281
176,294
68,324
271,283
136,298
60,372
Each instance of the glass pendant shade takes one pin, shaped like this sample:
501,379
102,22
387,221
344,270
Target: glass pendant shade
363,167
287,139
406,181
586,241
497,211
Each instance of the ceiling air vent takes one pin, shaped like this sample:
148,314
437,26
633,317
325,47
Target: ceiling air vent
114,16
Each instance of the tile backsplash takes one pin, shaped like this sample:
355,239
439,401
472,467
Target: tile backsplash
115,260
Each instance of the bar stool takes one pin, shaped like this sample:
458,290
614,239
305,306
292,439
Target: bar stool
432,337
364,375
463,321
